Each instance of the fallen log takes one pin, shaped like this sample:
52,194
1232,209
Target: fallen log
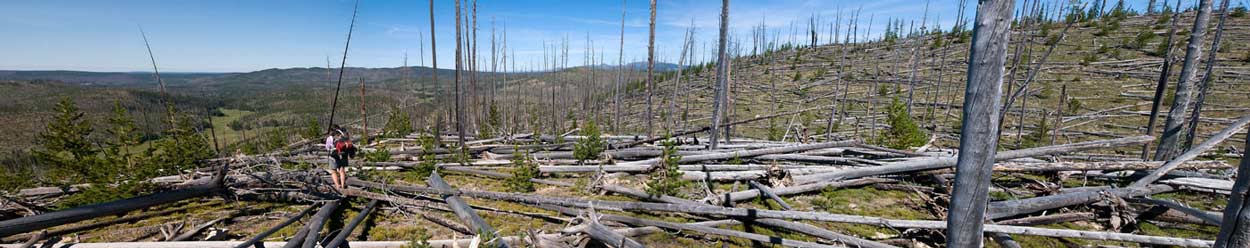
769,192
78,228
200,228
604,235
702,229
799,189
1049,219
778,214
503,175
1206,217
938,163
46,220
1106,165
262,235
461,208
312,230
1192,152
1002,209
341,238
646,164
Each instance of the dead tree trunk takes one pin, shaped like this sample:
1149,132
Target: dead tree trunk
722,80
1235,228
1164,72
978,139
341,238
650,70
1192,153
46,220
1206,80
461,208
938,163
620,75
1169,144
261,236
313,229
459,105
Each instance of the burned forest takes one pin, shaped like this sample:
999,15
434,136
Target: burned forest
991,123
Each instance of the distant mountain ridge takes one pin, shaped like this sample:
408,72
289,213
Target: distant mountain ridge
272,76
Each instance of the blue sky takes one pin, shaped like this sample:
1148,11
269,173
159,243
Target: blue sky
240,36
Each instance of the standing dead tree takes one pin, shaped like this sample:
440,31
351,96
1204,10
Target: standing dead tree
978,139
722,80
459,64
1206,80
1169,143
1164,72
620,75
650,70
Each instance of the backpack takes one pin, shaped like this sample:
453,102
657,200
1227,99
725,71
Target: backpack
345,147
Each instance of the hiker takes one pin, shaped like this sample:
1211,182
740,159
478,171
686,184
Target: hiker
339,144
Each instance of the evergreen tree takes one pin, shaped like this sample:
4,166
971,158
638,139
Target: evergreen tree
65,145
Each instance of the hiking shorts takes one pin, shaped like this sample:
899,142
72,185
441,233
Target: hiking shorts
337,162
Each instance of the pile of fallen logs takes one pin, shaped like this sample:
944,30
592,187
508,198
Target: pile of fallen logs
781,176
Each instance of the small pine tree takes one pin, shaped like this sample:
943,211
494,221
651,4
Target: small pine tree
66,146
591,146
903,132
398,124
429,161
312,129
666,180
522,171
122,136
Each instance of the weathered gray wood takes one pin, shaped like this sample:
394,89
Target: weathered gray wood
1193,152
939,163
1235,227
1203,215
46,220
1002,209
1106,165
460,207
313,228
769,192
978,139
1049,219
700,228
722,77
1205,85
1165,71
778,214
1169,143
200,228
604,235
262,235
503,175
341,238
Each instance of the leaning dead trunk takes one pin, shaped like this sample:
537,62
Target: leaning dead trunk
1169,143
1235,227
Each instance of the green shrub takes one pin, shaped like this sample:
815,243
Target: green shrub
903,132
1074,105
312,129
1238,12
420,240
523,169
666,180
591,146
429,160
1142,39
378,155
